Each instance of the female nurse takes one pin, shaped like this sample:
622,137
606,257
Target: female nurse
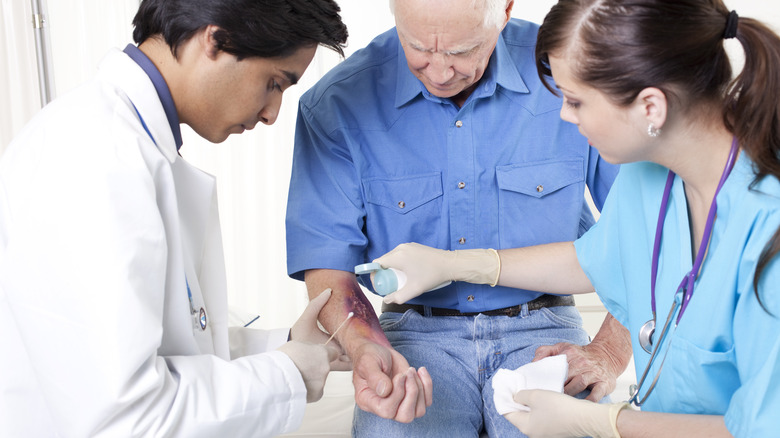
685,253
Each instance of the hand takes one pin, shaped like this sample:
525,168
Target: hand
403,397
587,369
557,415
427,268
307,330
313,362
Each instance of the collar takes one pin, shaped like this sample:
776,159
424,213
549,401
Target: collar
163,92
501,71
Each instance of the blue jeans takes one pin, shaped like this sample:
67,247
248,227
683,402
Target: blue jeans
462,353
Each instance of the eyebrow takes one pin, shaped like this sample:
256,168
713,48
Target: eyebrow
462,51
292,77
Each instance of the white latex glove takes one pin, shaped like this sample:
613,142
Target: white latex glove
307,330
313,362
559,415
426,268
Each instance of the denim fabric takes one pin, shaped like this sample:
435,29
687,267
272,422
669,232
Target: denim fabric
462,353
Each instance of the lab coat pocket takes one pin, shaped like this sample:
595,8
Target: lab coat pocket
698,380
411,205
540,201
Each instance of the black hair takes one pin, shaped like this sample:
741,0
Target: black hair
247,28
624,46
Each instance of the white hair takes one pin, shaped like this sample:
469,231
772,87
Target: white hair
495,11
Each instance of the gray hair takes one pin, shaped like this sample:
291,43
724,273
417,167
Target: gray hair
494,11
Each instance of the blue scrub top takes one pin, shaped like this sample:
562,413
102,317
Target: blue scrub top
724,357
379,161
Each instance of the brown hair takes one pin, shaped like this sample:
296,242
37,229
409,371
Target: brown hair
624,46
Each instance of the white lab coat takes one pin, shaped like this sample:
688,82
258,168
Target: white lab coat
99,227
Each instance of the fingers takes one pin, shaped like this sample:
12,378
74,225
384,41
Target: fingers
597,392
342,363
427,383
408,408
548,351
316,305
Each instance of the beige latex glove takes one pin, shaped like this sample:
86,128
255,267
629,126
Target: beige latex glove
559,415
313,362
307,330
426,268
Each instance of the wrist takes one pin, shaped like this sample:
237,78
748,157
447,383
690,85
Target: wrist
478,266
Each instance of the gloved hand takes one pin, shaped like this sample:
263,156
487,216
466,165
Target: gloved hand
313,362
559,415
307,330
426,267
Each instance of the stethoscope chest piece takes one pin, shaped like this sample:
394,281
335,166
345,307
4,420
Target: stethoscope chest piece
646,335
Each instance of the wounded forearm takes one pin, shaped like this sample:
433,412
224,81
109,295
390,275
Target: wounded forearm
346,297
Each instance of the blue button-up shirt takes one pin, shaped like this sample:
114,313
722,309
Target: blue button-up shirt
380,161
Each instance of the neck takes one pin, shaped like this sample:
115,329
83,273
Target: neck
699,159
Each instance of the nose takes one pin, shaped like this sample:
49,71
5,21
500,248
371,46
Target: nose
440,68
568,115
270,111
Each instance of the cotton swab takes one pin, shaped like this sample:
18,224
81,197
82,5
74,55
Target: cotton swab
349,315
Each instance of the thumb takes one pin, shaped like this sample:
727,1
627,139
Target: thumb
315,305
523,397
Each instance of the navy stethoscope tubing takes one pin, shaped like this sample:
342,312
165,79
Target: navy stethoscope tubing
684,291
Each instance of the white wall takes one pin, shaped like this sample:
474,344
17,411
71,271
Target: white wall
252,169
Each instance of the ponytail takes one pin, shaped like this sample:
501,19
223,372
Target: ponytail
751,111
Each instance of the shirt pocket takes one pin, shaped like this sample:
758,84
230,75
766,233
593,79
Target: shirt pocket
404,194
540,202
696,380
403,209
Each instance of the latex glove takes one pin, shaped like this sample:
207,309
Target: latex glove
426,268
313,362
559,415
307,330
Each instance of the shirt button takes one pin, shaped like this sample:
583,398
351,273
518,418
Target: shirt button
462,240
461,185
470,297
540,188
401,204
459,124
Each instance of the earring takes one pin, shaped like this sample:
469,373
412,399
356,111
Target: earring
652,131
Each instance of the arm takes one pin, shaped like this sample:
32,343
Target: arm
554,414
636,424
595,366
384,383
551,268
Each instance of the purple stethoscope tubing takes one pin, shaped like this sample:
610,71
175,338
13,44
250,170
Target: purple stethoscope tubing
690,278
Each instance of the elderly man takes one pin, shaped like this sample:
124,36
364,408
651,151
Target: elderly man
440,132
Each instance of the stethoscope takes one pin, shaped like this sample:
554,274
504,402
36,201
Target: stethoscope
684,291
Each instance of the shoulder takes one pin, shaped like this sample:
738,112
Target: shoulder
364,71
520,33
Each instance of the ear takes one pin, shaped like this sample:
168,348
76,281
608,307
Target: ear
652,104
510,4
208,43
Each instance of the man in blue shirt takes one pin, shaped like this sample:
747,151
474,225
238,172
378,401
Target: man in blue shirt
440,132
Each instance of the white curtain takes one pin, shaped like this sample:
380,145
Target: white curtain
252,169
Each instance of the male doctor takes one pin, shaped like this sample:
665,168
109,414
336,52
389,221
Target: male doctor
113,308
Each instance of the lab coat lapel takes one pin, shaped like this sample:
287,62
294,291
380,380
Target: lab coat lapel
196,195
